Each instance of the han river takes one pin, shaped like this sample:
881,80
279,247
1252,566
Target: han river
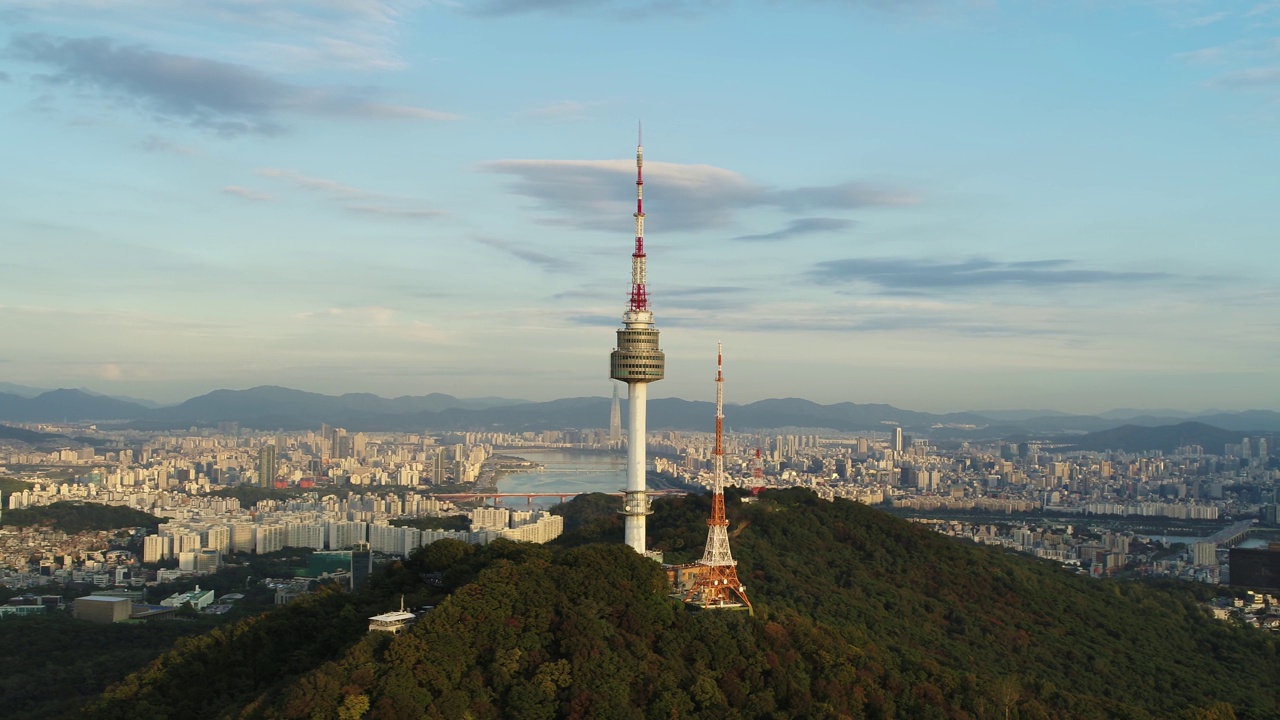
563,471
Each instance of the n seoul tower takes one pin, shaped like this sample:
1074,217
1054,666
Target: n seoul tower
637,361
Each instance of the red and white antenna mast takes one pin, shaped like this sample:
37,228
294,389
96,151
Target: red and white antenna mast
718,586
639,295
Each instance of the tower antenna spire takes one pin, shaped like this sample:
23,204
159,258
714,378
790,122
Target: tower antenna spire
639,291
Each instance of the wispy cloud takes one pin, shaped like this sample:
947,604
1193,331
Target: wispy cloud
157,144
591,194
228,98
1251,79
801,226
914,275
533,257
560,110
1203,20
1203,56
1264,8
701,299
372,314
247,194
377,320
310,182
526,7
865,316
396,212
300,34
354,199
630,9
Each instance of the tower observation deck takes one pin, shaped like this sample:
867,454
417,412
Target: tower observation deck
637,360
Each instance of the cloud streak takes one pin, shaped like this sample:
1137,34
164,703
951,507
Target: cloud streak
630,9
328,34
247,194
227,98
913,275
1251,79
353,199
550,263
157,144
591,194
560,110
800,226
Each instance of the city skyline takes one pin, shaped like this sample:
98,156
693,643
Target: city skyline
949,206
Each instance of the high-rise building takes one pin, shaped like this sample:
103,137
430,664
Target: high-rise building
1204,553
267,467
361,565
637,360
437,468
897,440
615,421
1255,567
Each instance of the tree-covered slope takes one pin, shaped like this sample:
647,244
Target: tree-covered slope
858,614
73,517
53,663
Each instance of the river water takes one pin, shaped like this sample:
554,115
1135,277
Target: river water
564,471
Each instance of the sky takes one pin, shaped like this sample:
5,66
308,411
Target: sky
936,204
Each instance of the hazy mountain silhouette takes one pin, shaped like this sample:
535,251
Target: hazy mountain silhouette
1167,438
272,407
67,406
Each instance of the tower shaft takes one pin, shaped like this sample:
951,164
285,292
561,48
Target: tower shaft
635,507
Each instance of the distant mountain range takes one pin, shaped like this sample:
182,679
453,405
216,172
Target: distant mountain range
271,408
1167,438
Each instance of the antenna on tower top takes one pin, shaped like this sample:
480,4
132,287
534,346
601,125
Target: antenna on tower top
639,293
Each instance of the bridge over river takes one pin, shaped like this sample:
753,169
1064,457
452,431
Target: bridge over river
530,497
1231,535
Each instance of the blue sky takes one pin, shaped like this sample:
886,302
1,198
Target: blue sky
939,205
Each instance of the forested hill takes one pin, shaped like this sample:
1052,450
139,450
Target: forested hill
858,614
73,517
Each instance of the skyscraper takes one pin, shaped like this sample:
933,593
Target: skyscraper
361,565
637,360
615,422
267,467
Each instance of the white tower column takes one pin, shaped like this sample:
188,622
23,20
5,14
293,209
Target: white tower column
637,501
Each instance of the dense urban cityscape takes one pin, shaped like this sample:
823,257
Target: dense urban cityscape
1141,514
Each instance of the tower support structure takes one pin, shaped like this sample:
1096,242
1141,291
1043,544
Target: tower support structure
718,587
637,360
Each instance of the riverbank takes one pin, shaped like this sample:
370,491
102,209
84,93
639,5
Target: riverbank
499,466
567,471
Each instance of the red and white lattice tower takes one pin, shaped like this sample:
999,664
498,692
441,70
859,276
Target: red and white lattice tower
718,585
